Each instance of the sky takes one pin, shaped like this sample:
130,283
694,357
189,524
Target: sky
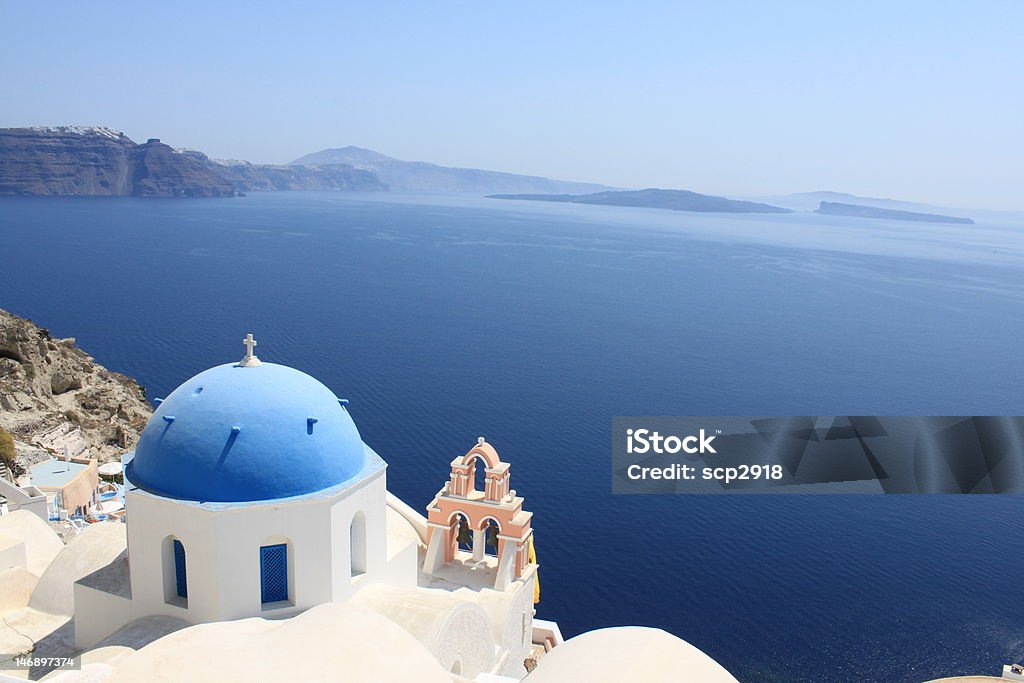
922,101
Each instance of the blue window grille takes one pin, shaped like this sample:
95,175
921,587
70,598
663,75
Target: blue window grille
274,572
180,578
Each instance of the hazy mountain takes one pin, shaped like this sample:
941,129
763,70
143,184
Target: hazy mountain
343,155
861,211
676,200
248,177
421,176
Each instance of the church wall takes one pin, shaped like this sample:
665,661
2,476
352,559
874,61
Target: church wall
370,498
151,520
304,526
99,614
222,545
465,639
511,616
401,569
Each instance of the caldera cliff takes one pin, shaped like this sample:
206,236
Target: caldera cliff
52,392
95,161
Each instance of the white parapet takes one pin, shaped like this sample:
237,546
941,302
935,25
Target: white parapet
24,498
1013,672
546,633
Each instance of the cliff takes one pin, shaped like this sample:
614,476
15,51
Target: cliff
248,177
93,161
159,171
73,160
421,176
675,200
49,388
859,211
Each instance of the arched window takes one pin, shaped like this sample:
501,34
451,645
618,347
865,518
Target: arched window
479,474
274,573
357,544
180,576
463,533
175,572
491,531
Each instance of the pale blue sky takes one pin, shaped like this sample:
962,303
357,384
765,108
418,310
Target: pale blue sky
912,100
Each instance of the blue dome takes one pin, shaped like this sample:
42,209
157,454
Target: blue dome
235,433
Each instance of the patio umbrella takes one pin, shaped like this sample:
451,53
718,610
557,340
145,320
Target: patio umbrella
110,469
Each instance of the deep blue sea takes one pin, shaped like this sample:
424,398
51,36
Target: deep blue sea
446,318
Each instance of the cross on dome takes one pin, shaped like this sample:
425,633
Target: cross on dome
249,360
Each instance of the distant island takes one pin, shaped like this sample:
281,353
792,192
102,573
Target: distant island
676,200
860,211
422,176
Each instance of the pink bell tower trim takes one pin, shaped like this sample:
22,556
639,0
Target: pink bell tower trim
494,516
463,476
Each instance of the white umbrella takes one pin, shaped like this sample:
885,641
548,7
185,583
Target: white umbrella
108,507
110,469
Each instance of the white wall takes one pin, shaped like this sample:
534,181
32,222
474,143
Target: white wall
222,550
28,498
103,614
509,612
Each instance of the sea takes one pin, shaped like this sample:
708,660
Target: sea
443,318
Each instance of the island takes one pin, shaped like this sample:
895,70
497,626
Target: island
651,198
860,211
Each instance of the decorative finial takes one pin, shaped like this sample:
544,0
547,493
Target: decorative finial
480,440
250,360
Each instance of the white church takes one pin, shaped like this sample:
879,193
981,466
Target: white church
261,543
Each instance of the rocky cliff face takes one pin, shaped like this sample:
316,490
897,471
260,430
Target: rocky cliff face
159,171
93,161
73,160
52,392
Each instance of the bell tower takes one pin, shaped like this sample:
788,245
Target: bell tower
487,529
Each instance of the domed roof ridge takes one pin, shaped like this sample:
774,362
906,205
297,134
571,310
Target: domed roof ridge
247,432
